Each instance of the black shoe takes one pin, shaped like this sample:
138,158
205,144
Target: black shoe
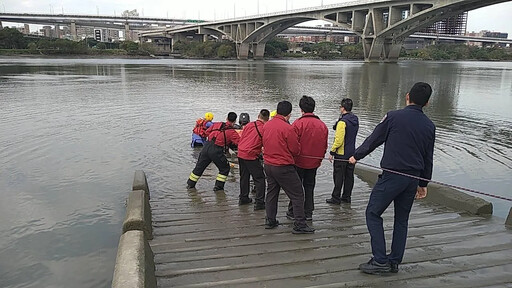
394,267
303,230
346,200
244,201
191,184
259,206
216,188
309,217
373,267
332,201
271,224
290,216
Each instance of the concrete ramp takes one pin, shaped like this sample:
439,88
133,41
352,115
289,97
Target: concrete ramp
205,239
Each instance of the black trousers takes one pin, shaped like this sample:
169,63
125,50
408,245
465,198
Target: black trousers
343,176
308,179
252,168
211,153
400,190
285,177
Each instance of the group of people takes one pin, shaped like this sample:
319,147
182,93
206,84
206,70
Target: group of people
293,152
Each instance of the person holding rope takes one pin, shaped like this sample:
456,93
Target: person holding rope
221,137
343,148
408,136
249,152
281,145
313,135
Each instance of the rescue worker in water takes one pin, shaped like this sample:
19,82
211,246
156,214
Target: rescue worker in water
220,137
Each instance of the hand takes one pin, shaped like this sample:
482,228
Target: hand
421,192
330,158
352,160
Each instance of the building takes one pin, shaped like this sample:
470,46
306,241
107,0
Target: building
451,26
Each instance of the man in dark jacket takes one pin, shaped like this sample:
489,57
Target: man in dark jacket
281,145
249,151
221,136
409,137
313,135
342,149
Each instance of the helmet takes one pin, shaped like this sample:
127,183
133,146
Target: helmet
243,119
273,113
208,116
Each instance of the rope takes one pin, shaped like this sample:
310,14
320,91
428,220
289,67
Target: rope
418,178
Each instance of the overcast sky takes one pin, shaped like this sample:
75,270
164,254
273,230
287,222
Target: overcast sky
494,18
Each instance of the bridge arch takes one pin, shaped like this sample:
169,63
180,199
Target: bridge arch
382,25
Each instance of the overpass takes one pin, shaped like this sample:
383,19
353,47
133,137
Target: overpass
120,23
383,25
312,30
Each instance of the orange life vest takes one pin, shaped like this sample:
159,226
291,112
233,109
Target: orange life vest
200,128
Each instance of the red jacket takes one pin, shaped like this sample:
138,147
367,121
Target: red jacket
280,142
249,147
313,134
223,133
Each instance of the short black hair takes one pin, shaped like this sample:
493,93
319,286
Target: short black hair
284,108
244,119
307,104
347,104
232,117
420,93
264,114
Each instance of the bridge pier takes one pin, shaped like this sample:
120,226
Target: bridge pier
73,31
57,31
243,51
379,49
127,33
258,50
1,26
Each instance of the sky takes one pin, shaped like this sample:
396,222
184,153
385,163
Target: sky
493,18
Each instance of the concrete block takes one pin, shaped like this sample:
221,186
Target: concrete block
509,218
458,200
140,182
135,266
443,195
138,214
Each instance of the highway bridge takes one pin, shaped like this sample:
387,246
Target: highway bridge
114,22
315,30
383,25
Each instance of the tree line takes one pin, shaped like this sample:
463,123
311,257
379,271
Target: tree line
18,43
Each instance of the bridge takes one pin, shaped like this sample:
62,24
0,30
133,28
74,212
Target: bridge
383,25
114,22
312,30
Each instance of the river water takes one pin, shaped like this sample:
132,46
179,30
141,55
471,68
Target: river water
74,131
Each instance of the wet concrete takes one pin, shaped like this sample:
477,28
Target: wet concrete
205,239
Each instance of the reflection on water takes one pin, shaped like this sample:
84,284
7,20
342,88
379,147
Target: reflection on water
74,131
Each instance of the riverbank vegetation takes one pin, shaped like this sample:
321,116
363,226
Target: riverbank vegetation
13,42
459,52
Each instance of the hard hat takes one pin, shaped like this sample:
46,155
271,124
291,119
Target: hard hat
273,113
208,116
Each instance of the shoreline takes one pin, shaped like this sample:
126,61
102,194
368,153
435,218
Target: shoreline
157,57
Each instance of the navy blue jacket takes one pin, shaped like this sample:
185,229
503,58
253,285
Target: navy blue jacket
409,138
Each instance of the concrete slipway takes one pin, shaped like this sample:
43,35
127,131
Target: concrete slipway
205,239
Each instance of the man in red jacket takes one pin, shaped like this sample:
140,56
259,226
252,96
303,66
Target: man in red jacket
221,136
249,151
313,135
281,145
